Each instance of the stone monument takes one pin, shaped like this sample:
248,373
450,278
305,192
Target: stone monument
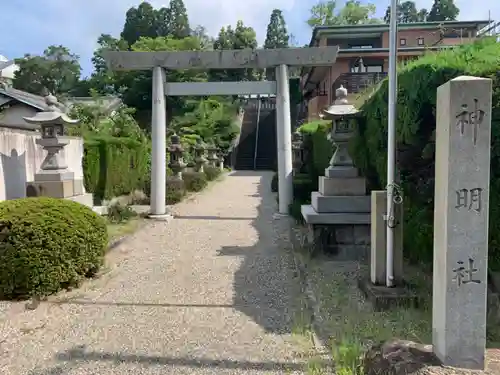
461,205
341,206
54,178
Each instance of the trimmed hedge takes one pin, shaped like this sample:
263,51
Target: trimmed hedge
194,181
211,173
319,148
115,166
416,124
48,244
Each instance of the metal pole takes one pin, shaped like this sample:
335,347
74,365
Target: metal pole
159,147
256,134
391,141
284,138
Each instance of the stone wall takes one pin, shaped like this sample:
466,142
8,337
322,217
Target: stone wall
21,158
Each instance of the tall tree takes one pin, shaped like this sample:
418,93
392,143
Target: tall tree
276,36
106,42
407,13
325,13
443,10
178,19
57,71
240,37
206,41
140,22
163,21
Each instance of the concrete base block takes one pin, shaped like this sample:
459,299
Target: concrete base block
342,186
78,187
54,189
379,240
86,199
164,217
384,298
338,171
345,204
312,217
340,242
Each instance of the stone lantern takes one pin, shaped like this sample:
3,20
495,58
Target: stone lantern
212,155
221,160
176,152
199,155
52,123
297,148
54,178
343,116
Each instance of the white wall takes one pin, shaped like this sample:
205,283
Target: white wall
21,157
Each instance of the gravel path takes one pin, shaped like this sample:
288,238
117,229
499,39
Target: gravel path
207,293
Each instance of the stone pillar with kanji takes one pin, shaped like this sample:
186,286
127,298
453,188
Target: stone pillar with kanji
461,206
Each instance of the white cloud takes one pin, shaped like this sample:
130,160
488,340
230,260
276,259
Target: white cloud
77,23
29,26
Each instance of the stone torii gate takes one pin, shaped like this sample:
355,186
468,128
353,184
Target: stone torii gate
279,59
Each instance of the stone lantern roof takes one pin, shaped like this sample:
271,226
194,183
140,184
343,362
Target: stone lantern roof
341,107
52,115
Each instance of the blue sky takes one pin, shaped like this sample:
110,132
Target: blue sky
29,26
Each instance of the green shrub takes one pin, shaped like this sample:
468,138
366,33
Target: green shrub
48,244
115,166
294,210
318,148
302,188
274,183
194,181
176,191
415,127
211,172
119,213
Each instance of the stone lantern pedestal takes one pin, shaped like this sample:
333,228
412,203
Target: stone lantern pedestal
339,213
54,178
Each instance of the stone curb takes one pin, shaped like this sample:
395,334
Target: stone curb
313,307
114,243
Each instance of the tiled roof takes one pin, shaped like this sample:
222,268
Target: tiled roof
32,100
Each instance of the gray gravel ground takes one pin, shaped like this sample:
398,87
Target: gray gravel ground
207,293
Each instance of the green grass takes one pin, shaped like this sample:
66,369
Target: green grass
117,230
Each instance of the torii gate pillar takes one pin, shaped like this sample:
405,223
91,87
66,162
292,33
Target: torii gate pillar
158,208
284,138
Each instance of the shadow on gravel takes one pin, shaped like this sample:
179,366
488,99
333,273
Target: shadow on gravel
263,285
80,354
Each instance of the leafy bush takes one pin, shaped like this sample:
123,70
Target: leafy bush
48,244
211,172
119,213
115,166
294,210
176,191
194,181
274,183
416,124
318,148
303,187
